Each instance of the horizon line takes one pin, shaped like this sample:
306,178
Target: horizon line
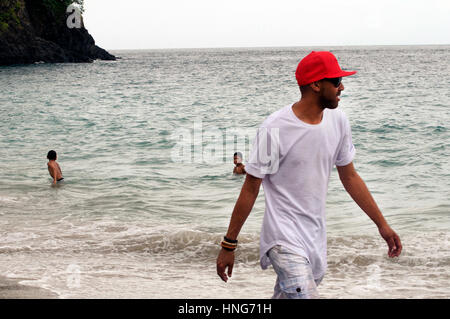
287,46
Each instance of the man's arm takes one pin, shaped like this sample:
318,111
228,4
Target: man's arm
52,170
358,190
242,209
54,176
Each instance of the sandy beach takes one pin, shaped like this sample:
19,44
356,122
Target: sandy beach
11,289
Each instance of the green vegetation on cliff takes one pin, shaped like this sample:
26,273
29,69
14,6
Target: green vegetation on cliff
38,30
10,16
59,7
56,7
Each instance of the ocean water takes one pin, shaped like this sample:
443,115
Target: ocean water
133,221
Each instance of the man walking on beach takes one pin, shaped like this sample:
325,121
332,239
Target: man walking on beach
305,140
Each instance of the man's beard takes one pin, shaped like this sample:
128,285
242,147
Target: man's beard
326,103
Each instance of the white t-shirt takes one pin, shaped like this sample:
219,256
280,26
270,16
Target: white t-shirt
295,160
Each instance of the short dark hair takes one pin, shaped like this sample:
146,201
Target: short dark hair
51,155
238,154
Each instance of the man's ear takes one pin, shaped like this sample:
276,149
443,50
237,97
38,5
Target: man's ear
315,86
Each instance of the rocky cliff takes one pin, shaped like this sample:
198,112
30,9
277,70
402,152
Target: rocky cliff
37,30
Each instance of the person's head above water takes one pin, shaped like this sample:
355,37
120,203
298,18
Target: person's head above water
51,155
319,77
237,157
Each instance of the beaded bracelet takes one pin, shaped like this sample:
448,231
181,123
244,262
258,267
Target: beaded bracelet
229,244
227,248
231,241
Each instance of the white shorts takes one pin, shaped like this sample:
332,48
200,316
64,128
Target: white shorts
295,278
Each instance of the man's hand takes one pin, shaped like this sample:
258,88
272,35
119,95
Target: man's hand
224,260
392,239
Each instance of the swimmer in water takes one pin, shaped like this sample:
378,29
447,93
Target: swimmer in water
239,168
53,167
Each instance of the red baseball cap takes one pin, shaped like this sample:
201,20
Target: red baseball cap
317,66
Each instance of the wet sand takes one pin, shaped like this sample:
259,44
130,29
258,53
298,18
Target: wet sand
11,289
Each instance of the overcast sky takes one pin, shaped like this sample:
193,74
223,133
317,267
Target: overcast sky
149,24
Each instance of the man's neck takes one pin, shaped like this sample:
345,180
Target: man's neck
308,111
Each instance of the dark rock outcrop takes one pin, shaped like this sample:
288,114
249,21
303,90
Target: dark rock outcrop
36,31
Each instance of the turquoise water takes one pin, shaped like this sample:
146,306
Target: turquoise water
130,221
